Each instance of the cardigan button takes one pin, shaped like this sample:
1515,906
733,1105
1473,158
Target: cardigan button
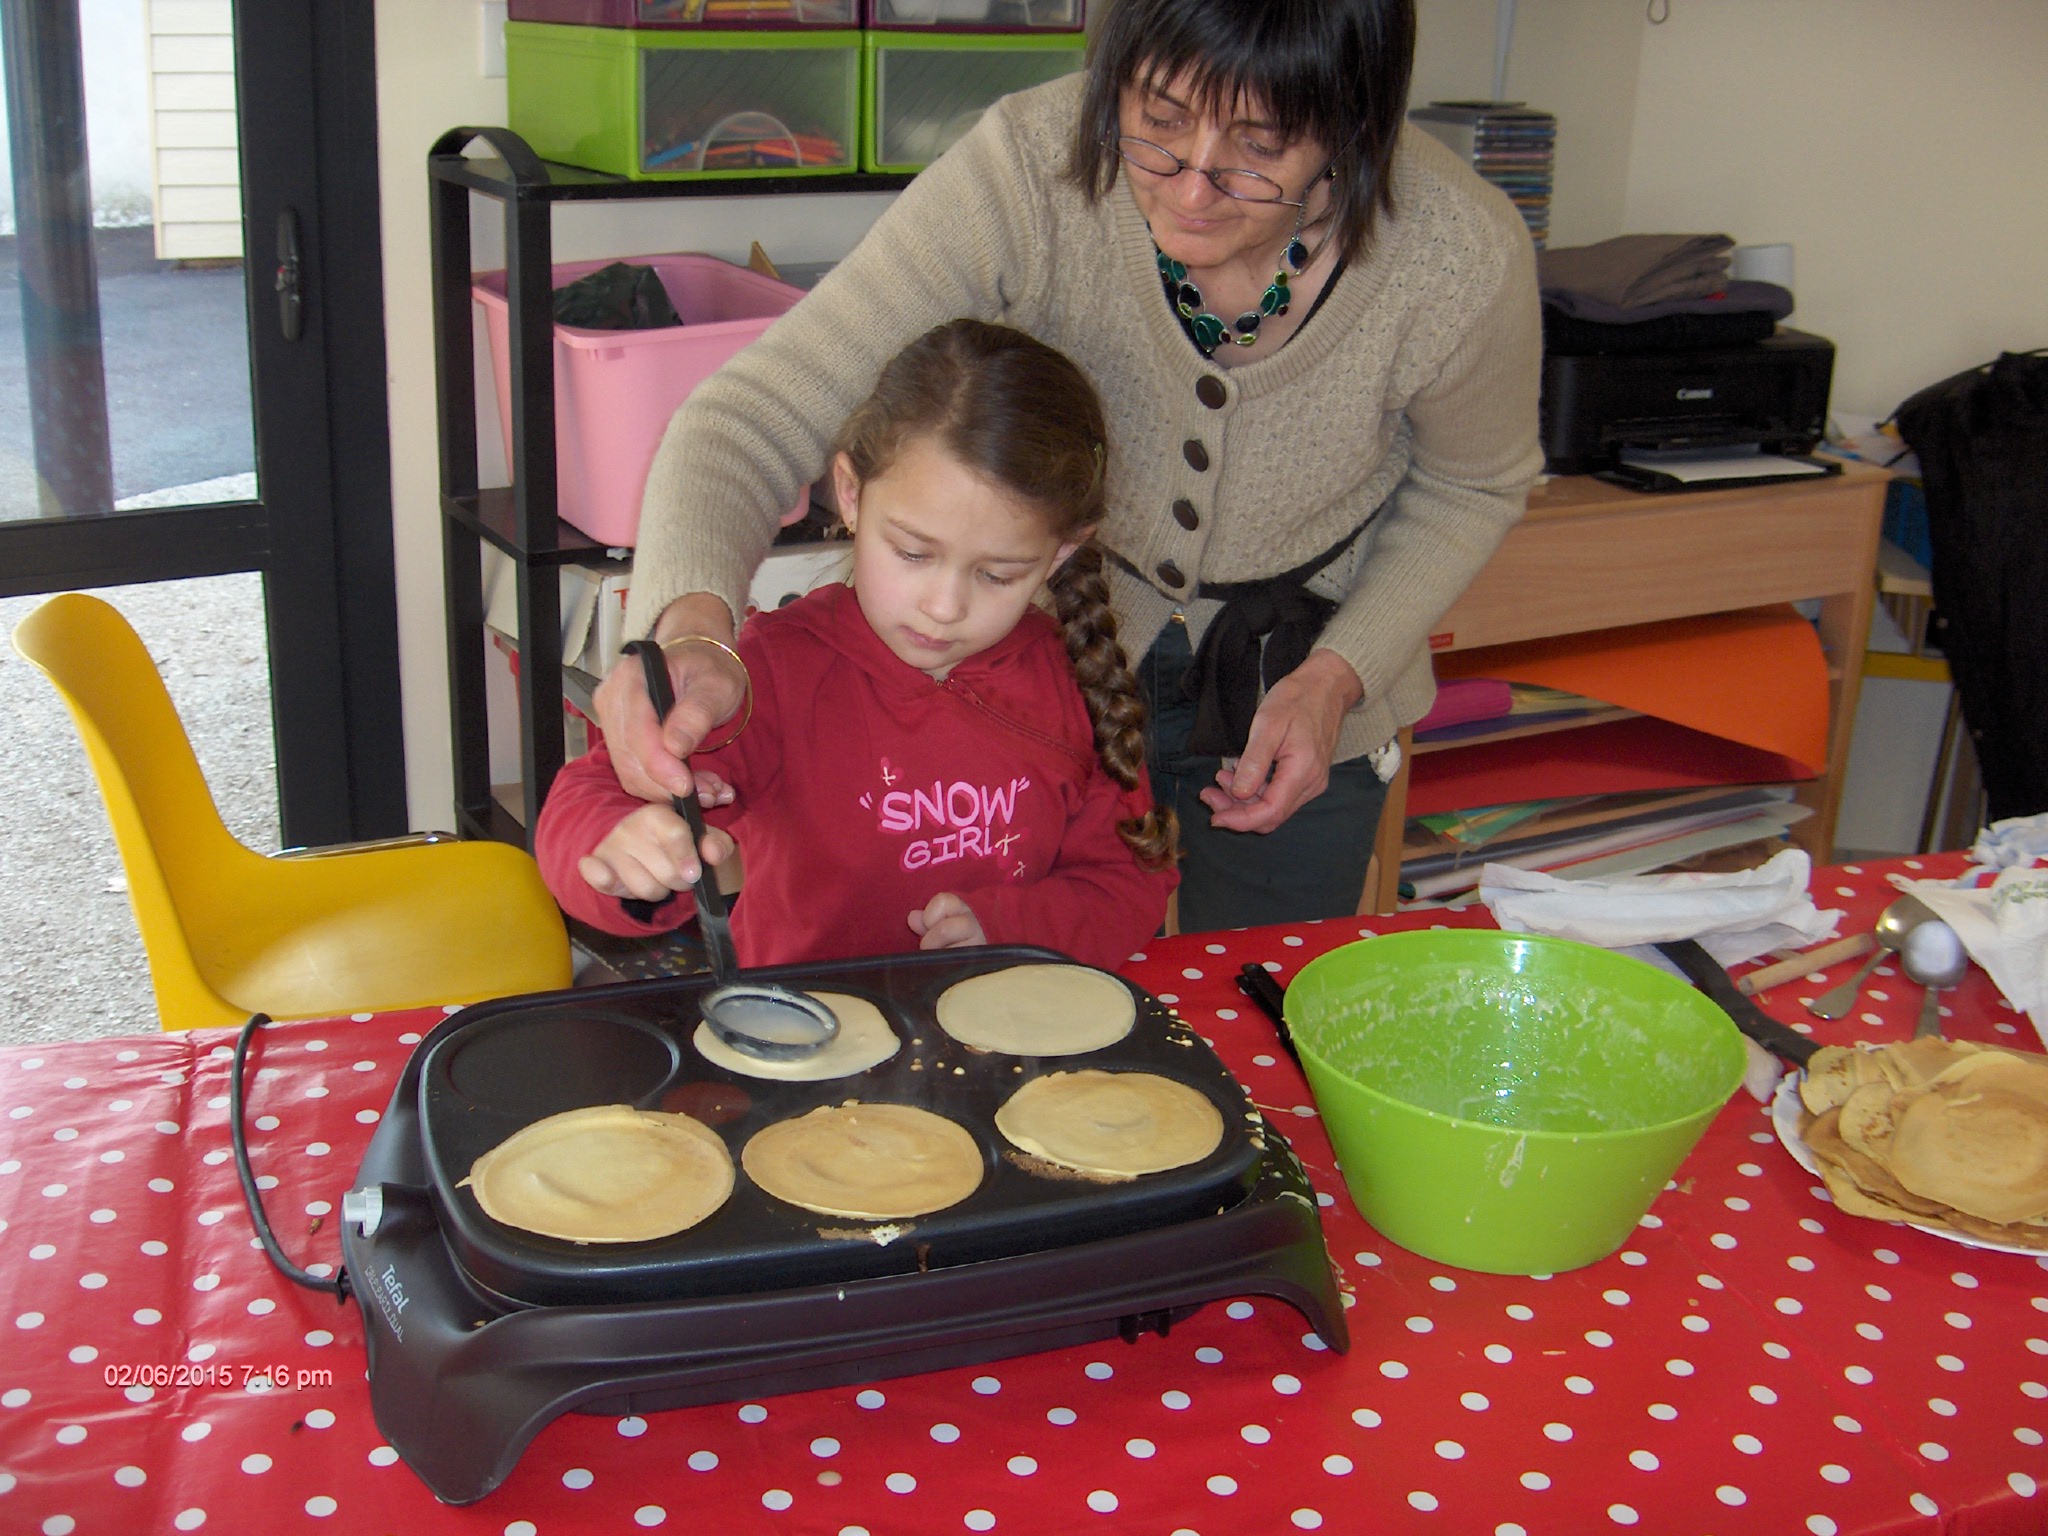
1196,455
1185,514
1170,574
1210,391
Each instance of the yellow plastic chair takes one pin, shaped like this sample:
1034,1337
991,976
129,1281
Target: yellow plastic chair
230,932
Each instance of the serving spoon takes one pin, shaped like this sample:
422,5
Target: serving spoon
1893,924
1934,957
758,1018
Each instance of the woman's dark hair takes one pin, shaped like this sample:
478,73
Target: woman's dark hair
1331,71
1022,416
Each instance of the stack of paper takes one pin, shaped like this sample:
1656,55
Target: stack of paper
1599,834
1623,751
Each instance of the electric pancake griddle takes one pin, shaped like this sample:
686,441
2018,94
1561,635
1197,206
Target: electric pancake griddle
479,1334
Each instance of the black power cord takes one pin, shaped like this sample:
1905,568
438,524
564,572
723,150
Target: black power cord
339,1286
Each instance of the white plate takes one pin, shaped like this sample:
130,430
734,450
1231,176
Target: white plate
1786,1110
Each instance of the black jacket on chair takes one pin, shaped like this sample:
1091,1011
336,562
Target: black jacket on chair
1982,438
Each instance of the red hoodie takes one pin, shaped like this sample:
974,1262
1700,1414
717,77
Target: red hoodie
864,789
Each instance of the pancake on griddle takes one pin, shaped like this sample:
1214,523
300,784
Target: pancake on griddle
1122,1123
1038,1010
864,1040
873,1162
607,1174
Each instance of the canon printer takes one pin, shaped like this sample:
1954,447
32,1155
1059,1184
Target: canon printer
1609,413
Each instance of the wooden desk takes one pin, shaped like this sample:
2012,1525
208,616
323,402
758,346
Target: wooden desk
1589,556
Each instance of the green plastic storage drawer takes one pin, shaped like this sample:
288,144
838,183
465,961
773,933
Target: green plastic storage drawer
926,89
679,106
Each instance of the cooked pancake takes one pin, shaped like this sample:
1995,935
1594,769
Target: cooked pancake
1124,1123
874,1162
1835,1072
1038,1010
1913,1063
864,1040
1866,1175
1866,1122
1853,1200
1947,1133
609,1174
2018,1234
2025,1075
1982,1150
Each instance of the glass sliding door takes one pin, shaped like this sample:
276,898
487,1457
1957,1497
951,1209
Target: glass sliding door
191,359
124,362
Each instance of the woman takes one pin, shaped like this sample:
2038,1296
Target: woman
1316,336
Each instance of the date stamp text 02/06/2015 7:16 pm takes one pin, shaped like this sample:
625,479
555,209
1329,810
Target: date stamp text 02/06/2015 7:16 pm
214,1373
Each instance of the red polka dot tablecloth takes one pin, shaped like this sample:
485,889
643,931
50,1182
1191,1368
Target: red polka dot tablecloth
1750,1361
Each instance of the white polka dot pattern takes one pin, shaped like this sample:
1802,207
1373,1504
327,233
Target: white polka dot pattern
1749,1361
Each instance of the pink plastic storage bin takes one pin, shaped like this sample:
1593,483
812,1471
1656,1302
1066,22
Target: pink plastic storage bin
705,15
974,15
616,390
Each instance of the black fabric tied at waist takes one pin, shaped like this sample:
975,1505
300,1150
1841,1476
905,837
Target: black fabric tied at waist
1265,629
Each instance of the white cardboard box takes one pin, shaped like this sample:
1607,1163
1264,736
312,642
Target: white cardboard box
594,598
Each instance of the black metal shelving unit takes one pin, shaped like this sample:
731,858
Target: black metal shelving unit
521,520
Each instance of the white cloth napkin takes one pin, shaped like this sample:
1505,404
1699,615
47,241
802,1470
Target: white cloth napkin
2004,926
1735,916
2016,840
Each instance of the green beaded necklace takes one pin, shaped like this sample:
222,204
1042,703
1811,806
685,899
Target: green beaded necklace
1209,331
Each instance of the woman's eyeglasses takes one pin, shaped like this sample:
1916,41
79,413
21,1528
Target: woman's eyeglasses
1245,186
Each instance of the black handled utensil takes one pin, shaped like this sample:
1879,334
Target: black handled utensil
759,1018
1706,973
1257,983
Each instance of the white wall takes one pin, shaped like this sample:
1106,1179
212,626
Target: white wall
1576,59
1901,145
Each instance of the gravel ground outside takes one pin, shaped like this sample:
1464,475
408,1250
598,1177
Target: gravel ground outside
177,380
71,961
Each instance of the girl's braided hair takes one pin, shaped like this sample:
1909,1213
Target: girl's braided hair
1023,416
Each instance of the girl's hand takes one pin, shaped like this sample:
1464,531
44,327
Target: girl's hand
648,855
1286,760
712,790
648,754
947,922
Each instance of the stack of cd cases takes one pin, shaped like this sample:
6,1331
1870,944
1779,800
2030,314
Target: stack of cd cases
1511,145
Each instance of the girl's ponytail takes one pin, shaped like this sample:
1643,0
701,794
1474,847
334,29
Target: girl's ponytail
1080,594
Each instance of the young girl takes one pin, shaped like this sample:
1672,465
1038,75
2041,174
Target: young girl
930,759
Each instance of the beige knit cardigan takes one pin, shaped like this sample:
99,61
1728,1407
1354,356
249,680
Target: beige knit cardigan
1410,394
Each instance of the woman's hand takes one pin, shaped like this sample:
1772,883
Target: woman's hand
947,922
710,688
649,855
1286,759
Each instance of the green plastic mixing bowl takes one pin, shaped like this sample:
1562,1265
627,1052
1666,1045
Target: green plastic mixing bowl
1502,1102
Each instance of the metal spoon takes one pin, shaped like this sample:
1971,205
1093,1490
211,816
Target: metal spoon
1935,958
1893,924
758,1018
